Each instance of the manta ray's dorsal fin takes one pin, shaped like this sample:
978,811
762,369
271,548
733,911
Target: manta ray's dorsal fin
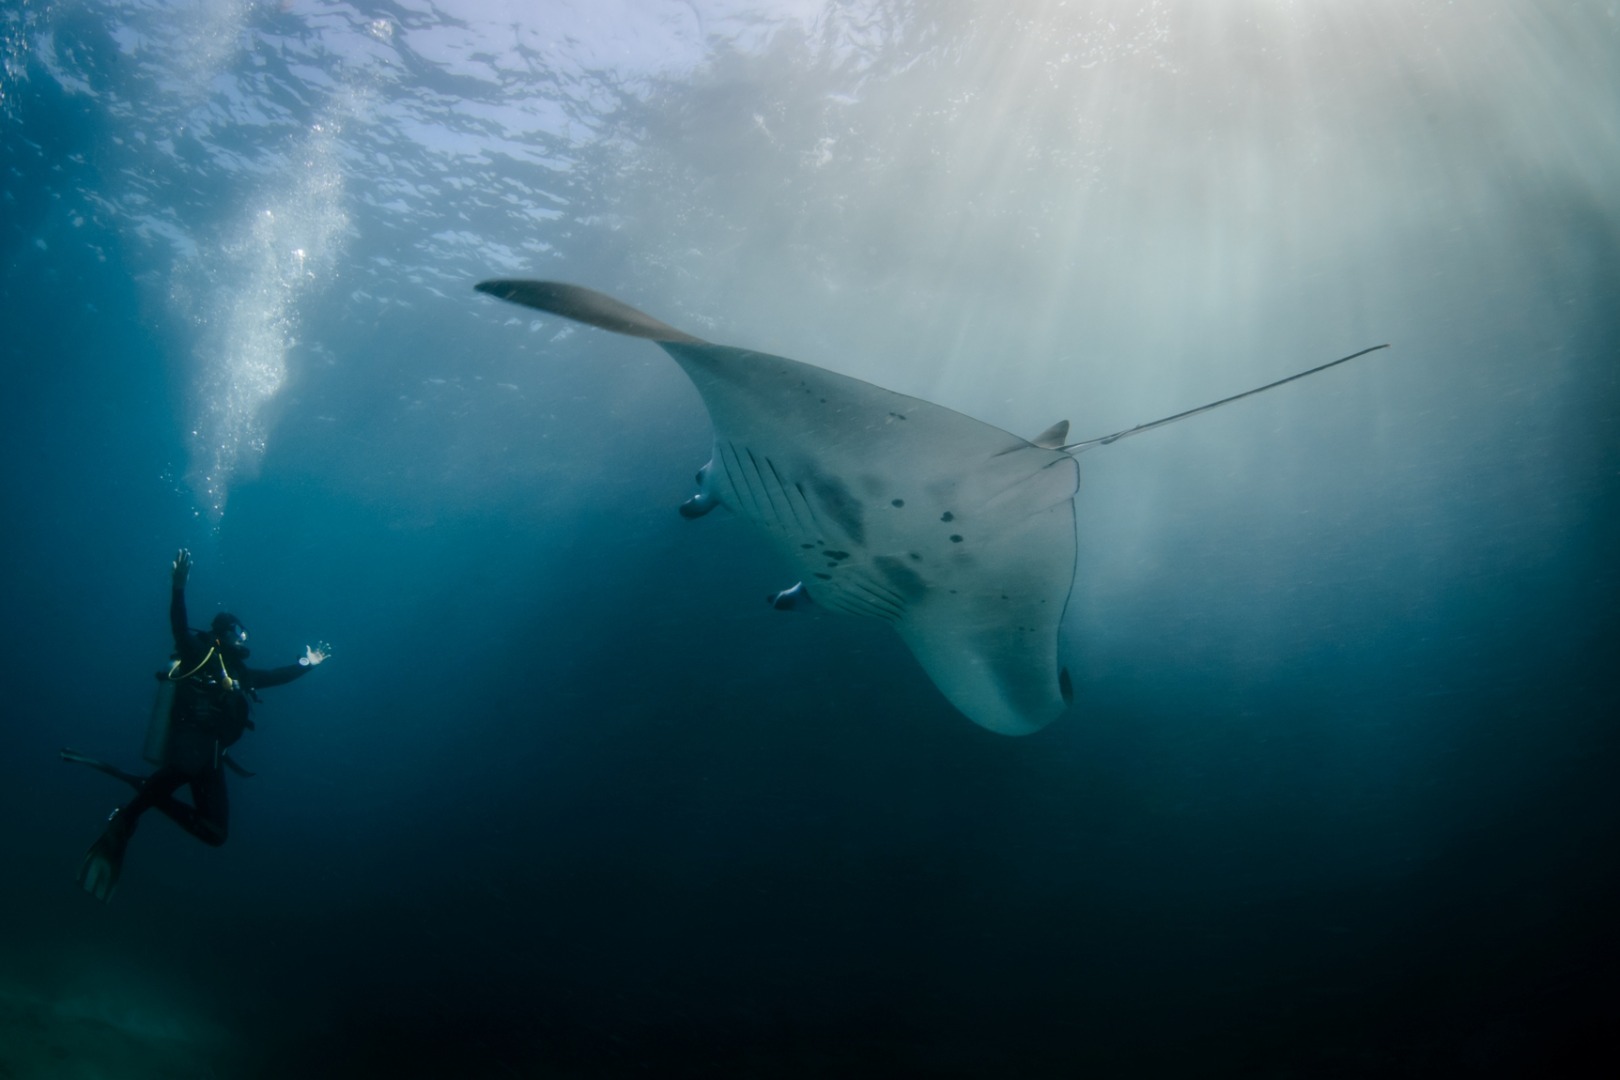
1052,437
587,306
1104,440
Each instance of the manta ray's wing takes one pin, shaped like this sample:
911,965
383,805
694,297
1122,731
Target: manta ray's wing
958,533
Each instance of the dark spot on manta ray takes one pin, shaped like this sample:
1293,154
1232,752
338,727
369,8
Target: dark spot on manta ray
897,502
823,577
839,555
956,538
947,516
918,558
807,545
898,416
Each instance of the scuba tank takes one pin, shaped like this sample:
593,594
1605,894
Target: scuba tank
156,750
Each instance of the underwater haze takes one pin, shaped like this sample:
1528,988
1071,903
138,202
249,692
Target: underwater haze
1336,795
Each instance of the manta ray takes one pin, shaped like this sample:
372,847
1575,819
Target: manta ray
958,534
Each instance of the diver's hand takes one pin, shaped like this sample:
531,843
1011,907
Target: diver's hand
182,568
314,654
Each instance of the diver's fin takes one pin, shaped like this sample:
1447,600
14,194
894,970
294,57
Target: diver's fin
1104,440
102,864
75,758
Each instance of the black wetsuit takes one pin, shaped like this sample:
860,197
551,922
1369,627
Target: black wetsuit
208,714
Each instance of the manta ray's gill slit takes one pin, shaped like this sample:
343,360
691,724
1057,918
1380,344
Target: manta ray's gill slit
756,496
787,497
837,601
861,600
734,472
808,509
878,594
720,467
774,491
764,487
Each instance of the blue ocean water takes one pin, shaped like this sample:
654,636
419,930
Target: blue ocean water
1335,797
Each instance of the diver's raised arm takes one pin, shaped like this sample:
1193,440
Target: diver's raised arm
181,570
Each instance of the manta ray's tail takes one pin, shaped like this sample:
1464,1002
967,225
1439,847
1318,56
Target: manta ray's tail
587,306
1104,440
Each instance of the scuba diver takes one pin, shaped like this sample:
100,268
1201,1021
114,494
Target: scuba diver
206,713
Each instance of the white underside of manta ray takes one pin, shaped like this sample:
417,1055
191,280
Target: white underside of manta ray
958,534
